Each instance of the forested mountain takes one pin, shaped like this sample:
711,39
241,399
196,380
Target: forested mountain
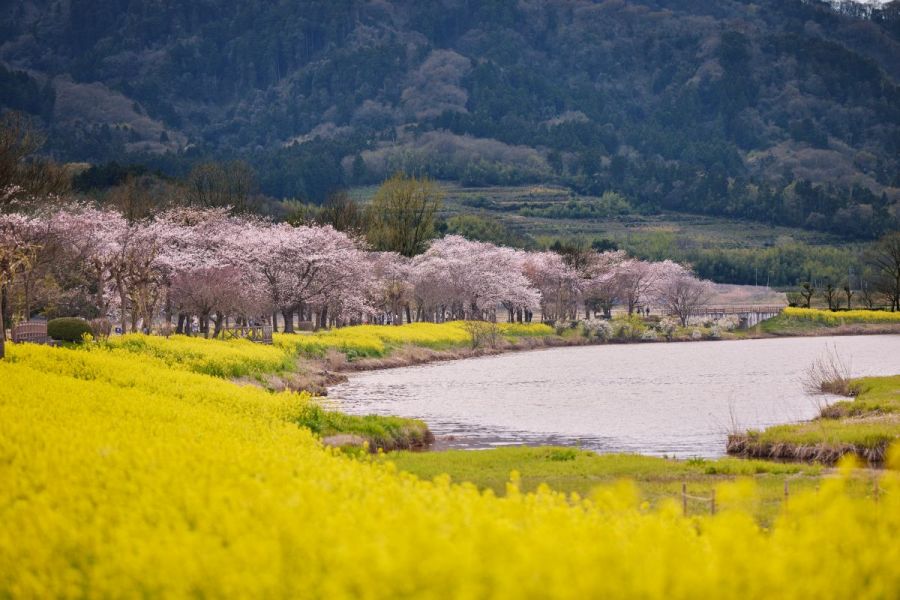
784,111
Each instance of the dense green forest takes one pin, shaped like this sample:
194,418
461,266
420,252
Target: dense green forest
780,111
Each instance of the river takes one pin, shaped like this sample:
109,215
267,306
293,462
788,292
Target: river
676,399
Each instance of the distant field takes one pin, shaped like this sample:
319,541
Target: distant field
504,203
720,249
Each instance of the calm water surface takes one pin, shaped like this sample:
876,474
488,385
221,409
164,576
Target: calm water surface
678,399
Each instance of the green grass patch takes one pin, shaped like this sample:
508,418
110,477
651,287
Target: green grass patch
579,471
866,425
875,396
785,325
384,432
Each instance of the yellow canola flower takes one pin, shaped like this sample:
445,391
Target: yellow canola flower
846,316
126,474
377,340
231,358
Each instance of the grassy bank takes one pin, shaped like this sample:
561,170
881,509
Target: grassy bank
379,341
864,426
200,363
657,480
127,474
324,357
812,321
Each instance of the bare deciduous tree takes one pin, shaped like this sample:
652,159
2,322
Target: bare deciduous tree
807,291
342,213
884,260
212,185
24,176
402,213
140,197
830,294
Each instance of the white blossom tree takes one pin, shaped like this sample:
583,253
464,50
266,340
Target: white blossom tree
682,294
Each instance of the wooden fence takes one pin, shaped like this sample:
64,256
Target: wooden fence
709,502
261,334
34,332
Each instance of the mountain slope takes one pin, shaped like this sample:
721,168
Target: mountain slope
778,110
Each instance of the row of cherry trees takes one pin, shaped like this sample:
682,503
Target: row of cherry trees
211,266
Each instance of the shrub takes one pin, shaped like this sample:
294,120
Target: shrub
728,323
68,329
696,335
598,329
101,328
649,335
668,327
829,374
629,327
482,333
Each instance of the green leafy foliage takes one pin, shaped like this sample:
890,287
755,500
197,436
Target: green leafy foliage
68,329
667,103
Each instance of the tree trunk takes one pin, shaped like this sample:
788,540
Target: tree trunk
26,291
168,308
274,321
123,316
181,322
101,305
218,321
288,320
2,323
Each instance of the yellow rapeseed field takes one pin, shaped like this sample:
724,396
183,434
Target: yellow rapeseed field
846,316
231,358
378,340
125,473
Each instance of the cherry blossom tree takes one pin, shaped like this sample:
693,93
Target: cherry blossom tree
681,293
203,267
90,239
17,252
213,265
560,285
315,269
392,291
470,279
601,290
637,280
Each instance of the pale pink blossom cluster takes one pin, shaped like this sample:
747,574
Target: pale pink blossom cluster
209,265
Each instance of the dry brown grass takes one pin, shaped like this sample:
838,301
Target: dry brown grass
829,374
746,445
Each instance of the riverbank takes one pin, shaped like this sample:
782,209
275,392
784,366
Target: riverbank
865,426
328,358
335,354
410,356
803,322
